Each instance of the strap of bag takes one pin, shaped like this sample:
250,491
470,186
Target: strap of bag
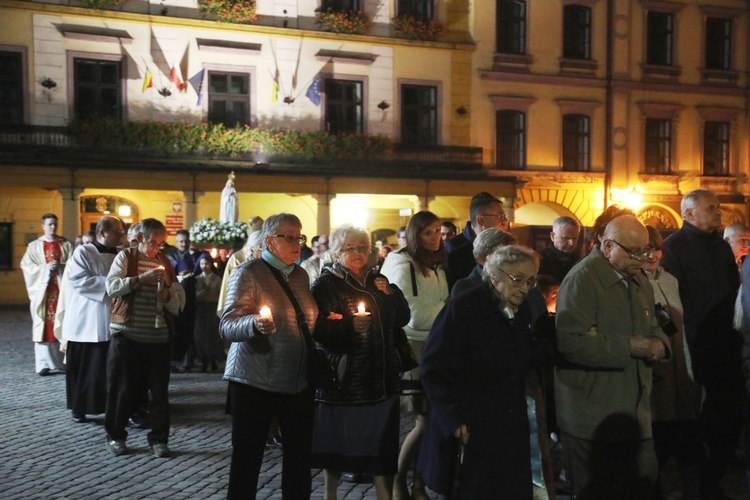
300,315
413,279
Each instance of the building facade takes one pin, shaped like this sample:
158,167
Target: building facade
558,107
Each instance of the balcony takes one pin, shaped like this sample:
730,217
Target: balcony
204,148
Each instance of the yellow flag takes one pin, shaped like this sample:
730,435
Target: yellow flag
275,92
147,82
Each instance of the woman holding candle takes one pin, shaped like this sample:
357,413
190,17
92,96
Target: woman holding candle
361,315
267,361
419,270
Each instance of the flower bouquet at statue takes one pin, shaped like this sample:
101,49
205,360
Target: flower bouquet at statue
211,233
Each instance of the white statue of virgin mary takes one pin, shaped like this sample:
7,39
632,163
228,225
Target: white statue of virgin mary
229,209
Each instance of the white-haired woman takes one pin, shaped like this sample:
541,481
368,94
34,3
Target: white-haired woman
474,367
361,316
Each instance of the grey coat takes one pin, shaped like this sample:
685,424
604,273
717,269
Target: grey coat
276,362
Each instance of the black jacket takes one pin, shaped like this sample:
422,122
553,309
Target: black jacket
371,365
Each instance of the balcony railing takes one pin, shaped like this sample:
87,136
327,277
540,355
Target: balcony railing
47,144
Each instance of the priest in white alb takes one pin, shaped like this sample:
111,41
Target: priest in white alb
43,265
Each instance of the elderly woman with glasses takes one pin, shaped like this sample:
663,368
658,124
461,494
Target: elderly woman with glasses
674,415
267,361
474,368
360,321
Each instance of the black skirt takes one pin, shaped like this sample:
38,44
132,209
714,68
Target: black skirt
357,437
86,377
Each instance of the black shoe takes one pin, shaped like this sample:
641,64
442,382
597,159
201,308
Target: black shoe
44,372
353,477
79,418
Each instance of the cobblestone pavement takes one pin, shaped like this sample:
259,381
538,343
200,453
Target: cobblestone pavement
44,455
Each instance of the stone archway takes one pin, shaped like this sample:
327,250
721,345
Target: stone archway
94,207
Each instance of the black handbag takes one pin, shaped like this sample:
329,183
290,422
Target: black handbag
407,360
321,372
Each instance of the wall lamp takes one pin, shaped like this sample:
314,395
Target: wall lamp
462,111
48,83
383,105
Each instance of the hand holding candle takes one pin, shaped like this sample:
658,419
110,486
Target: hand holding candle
264,321
361,320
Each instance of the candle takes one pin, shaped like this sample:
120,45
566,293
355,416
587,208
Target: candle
265,312
361,308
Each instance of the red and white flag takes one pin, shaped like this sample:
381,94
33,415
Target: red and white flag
176,76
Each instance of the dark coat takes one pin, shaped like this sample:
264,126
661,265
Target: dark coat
556,263
474,368
704,266
371,367
460,250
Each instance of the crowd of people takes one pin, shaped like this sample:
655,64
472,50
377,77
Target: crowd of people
618,352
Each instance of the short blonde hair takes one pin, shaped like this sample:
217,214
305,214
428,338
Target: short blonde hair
342,233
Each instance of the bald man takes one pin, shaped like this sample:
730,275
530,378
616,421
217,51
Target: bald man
608,337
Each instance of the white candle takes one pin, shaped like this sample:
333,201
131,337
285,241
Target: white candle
361,308
265,312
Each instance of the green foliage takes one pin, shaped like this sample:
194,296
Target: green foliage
102,4
353,22
186,138
230,11
417,28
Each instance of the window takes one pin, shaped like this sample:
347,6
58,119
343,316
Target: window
660,27
576,143
716,148
511,140
344,112
339,5
6,245
718,43
229,98
98,88
658,146
511,26
423,9
419,109
576,32
11,88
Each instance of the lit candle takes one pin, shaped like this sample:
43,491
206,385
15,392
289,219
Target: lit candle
159,279
361,308
265,312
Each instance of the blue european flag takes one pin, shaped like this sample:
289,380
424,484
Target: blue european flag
313,91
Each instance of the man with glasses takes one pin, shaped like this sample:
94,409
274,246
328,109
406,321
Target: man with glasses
144,289
560,257
607,339
738,236
268,306
485,211
706,270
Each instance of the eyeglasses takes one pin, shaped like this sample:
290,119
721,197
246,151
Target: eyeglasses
638,255
290,238
500,216
364,249
158,246
518,282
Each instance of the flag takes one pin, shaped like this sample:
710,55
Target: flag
147,81
313,91
275,92
197,81
176,76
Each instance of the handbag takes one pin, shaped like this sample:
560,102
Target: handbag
321,372
407,360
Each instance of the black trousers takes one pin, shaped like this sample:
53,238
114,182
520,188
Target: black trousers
252,410
128,362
